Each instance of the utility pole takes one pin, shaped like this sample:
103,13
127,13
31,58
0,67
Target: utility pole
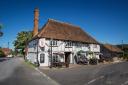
111,51
8,45
122,48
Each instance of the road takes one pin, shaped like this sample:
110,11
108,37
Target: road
103,74
14,71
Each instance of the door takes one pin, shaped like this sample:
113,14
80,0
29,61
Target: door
67,58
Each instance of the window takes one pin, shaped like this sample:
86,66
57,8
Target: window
42,48
86,45
78,44
54,42
68,44
55,58
42,58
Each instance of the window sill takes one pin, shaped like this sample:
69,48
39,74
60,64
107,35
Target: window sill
68,47
54,46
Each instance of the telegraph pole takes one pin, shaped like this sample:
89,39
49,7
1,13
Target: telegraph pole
122,48
8,45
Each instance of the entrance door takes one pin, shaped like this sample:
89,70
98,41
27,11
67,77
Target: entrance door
67,58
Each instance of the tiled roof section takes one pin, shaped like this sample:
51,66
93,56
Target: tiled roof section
112,48
64,31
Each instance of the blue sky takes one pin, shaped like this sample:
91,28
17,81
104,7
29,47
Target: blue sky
105,20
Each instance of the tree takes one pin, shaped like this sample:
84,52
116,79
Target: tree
2,53
124,47
1,34
21,40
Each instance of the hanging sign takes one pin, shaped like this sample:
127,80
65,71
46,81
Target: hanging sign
42,42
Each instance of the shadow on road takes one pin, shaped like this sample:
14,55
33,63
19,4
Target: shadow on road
4,59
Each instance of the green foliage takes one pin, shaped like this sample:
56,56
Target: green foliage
13,53
22,39
30,64
124,47
93,61
79,52
125,54
2,53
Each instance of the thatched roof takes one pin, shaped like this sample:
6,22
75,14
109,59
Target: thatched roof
64,31
112,48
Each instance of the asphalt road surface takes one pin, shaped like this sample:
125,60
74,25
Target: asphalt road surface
13,71
103,74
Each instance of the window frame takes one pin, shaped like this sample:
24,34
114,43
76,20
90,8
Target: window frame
68,44
54,42
42,61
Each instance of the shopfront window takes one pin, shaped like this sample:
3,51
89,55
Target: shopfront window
55,58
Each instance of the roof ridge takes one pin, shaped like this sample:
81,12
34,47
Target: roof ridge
58,21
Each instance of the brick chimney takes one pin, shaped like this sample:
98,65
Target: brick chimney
36,18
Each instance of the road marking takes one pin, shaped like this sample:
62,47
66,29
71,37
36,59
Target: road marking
125,83
98,78
101,77
93,80
55,83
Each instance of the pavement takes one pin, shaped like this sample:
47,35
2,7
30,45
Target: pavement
13,71
102,74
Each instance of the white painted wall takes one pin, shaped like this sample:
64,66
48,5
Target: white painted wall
95,47
32,50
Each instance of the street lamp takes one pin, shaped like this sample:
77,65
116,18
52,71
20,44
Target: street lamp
122,48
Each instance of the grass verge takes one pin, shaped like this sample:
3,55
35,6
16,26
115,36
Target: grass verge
28,63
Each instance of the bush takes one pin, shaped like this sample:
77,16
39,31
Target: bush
31,64
2,53
93,61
